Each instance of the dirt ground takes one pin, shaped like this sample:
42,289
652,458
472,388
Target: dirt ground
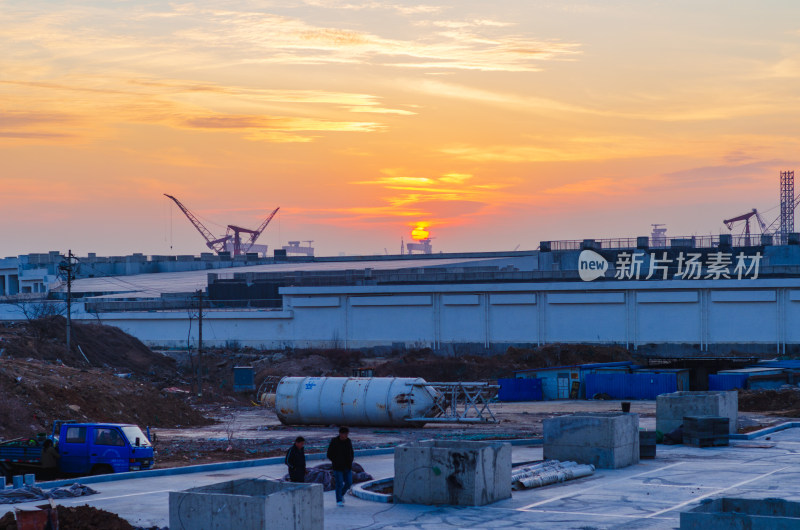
781,402
35,393
255,432
78,518
124,381
93,346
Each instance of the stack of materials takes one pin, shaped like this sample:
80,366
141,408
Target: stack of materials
705,431
548,472
647,444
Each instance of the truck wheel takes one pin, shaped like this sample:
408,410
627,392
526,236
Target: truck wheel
102,469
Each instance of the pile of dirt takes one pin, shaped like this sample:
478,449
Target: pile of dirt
77,518
103,346
419,363
483,367
783,402
88,518
36,393
309,363
8,522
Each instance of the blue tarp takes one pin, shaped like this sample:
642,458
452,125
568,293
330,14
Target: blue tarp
520,389
630,386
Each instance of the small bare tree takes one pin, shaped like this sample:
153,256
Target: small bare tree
37,308
230,428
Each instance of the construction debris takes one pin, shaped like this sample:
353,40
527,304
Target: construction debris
323,474
100,345
35,493
548,472
782,402
36,393
380,401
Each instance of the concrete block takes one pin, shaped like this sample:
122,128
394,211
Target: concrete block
247,503
455,473
741,514
671,408
608,440
19,481
30,479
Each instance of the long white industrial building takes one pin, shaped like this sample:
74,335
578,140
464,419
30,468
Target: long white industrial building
478,303
661,317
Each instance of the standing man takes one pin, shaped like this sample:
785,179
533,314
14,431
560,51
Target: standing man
296,460
50,458
340,453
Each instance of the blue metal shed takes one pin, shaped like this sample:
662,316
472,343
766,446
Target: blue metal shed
682,376
567,382
520,389
639,385
557,381
727,381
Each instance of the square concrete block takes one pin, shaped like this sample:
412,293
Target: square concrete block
608,440
247,503
455,473
742,514
671,408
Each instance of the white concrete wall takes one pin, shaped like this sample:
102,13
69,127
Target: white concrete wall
700,316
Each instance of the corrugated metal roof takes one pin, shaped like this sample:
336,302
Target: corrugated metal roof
789,363
150,285
754,370
575,366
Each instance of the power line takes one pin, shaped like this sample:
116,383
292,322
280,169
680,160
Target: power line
111,278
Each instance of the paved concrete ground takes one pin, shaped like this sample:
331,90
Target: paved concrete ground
648,495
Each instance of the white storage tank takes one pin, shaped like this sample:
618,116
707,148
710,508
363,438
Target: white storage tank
384,401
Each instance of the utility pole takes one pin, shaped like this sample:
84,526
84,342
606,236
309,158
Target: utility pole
200,343
68,269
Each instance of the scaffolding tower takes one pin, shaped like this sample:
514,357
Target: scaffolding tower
787,206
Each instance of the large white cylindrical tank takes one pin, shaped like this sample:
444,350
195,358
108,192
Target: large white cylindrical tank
385,401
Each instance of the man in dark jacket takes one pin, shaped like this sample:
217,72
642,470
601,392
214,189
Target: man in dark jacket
50,458
340,453
296,460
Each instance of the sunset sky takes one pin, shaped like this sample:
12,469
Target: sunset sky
494,124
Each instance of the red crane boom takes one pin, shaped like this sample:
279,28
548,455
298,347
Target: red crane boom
746,218
219,245
215,244
238,247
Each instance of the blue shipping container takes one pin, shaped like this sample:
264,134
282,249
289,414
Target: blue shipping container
630,386
528,389
243,379
727,381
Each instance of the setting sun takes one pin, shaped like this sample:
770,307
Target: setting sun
419,233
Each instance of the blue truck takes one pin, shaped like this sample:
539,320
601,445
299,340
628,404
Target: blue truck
85,449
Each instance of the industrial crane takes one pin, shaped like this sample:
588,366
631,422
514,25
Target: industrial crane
746,218
238,248
220,245
215,244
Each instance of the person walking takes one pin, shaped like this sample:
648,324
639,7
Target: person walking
340,453
296,460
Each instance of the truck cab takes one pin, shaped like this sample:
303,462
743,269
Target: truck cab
101,448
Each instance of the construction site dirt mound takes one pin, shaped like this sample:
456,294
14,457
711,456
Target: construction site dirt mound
101,345
783,402
309,363
489,367
89,518
35,393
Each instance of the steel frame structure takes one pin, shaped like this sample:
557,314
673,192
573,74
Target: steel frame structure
461,403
